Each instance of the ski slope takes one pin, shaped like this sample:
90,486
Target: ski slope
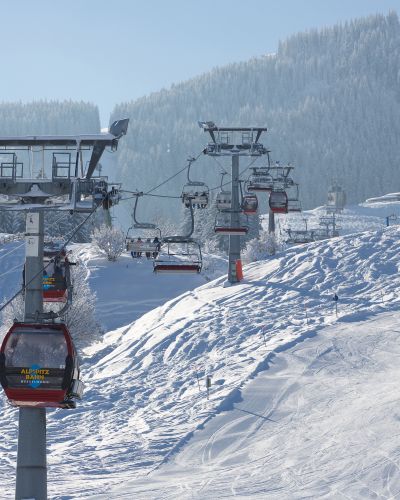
321,422
128,288
278,358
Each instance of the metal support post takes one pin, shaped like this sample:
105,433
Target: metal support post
271,231
31,459
271,222
234,240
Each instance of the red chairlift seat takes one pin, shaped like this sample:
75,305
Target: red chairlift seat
223,225
278,202
174,267
195,193
239,231
39,366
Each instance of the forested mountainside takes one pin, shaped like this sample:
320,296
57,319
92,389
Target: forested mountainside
47,117
330,99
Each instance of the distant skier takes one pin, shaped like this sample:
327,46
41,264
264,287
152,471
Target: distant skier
158,246
148,252
139,244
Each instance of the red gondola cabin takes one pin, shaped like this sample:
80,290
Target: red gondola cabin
55,274
278,202
250,204
39,366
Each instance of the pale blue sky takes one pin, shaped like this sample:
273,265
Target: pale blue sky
108,52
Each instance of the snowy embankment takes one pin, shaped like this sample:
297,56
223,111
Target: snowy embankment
143,402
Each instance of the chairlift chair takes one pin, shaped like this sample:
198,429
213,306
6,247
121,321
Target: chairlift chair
138,246
39,366
223,225
278,202
223,200
196,193
294,204
182,255
260,180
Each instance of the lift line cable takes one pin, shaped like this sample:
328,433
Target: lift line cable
174,175
23,288
12,250
23,243
240,173
145,194
13,268
178,197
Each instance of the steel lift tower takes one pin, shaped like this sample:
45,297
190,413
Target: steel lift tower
234,142
59,183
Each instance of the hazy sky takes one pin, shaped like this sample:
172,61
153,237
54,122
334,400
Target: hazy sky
106,52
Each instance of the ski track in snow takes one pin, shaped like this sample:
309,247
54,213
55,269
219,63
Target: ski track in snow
271,369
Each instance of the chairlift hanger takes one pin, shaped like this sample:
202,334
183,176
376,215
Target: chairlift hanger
137,246
186,258
141,225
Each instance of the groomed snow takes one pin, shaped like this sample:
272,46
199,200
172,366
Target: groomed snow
267,344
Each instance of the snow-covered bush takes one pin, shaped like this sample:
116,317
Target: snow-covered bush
80,317
109,240
260,248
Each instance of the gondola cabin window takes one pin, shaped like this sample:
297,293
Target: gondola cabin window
35,358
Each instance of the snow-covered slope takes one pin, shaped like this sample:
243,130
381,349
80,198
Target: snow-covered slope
321,422
128,288
143,402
